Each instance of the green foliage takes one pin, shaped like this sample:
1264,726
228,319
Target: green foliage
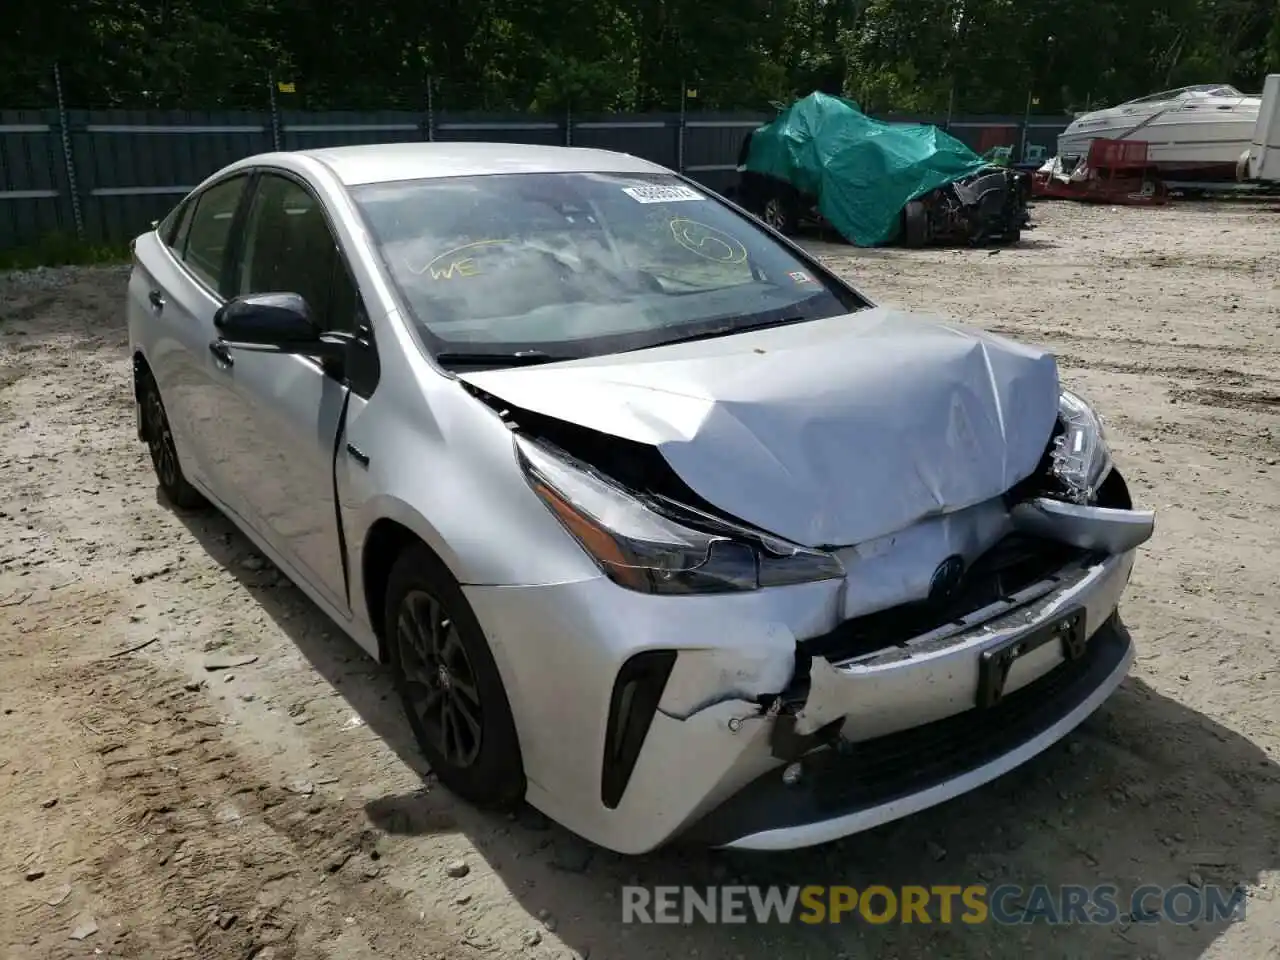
598,55
59,250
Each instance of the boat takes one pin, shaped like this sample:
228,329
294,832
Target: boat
1194,133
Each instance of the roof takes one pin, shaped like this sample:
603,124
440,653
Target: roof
386,162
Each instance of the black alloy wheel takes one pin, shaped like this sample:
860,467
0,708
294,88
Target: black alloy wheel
164,454
439,679
449,684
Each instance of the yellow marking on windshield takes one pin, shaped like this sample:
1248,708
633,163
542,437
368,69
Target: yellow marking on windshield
458,266
708,242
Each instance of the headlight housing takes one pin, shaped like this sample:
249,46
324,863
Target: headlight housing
658,546
1080,459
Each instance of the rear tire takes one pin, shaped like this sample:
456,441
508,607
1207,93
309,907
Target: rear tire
449,684
164,454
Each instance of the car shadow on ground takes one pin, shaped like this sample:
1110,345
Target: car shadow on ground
1145,792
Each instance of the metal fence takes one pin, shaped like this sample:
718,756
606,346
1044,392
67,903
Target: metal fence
103,176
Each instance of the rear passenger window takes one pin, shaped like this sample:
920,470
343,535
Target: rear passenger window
208,233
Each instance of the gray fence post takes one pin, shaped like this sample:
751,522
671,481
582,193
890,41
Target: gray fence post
684,89
568,125
77,215
275,112
1026,126
431,109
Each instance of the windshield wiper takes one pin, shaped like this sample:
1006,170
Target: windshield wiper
737,326
518,358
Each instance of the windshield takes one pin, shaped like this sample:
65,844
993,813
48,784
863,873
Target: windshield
581,264
1199,90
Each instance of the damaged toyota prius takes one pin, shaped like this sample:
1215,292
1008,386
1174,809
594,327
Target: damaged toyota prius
660,526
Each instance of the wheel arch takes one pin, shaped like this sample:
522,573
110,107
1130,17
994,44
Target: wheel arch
141,374
383,542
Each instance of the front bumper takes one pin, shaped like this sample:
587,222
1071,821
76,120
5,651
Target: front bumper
862,785
710,766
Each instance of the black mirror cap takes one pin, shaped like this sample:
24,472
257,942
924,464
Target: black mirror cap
266,318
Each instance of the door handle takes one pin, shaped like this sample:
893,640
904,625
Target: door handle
157,299
221,353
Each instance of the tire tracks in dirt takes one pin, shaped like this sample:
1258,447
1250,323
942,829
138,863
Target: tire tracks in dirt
179,823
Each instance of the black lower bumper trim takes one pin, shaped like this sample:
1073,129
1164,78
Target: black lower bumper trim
859,776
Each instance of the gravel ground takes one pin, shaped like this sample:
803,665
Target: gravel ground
274,807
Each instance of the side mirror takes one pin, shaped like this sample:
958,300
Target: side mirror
275,321
279,323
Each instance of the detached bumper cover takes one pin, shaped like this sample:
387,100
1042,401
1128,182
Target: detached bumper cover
861,785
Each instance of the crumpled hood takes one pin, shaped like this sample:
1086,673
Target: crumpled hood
827,433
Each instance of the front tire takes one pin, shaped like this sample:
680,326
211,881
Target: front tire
164,454
449,684
915,224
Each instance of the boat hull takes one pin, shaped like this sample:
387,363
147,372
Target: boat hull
1204,143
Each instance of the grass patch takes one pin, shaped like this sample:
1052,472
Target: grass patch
61,250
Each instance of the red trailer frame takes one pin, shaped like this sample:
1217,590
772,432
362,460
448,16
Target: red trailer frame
1116,171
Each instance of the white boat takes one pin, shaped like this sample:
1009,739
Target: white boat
1193,133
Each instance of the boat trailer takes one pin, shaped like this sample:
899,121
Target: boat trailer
1115,172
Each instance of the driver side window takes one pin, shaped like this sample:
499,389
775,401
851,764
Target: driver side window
288,248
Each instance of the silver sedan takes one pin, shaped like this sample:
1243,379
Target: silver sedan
659,526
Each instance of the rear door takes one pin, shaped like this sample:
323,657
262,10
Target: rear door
183,280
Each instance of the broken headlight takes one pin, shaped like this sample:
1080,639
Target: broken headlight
657,546
1079,457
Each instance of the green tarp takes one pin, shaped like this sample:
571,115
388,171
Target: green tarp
862,171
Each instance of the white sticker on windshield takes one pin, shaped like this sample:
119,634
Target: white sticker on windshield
661,194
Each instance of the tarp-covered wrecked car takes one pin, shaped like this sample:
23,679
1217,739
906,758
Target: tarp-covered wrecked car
823,161
660,526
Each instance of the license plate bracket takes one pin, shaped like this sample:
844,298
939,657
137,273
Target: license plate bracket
995,662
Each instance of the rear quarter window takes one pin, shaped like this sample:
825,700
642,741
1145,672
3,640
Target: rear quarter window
176,226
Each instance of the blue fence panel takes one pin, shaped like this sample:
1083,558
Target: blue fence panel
132,166
33,193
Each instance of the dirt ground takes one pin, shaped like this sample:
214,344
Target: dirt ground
275,808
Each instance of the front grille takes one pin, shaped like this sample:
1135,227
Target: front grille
1013,564
859,776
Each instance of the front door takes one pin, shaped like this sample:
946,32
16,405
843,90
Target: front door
283,414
